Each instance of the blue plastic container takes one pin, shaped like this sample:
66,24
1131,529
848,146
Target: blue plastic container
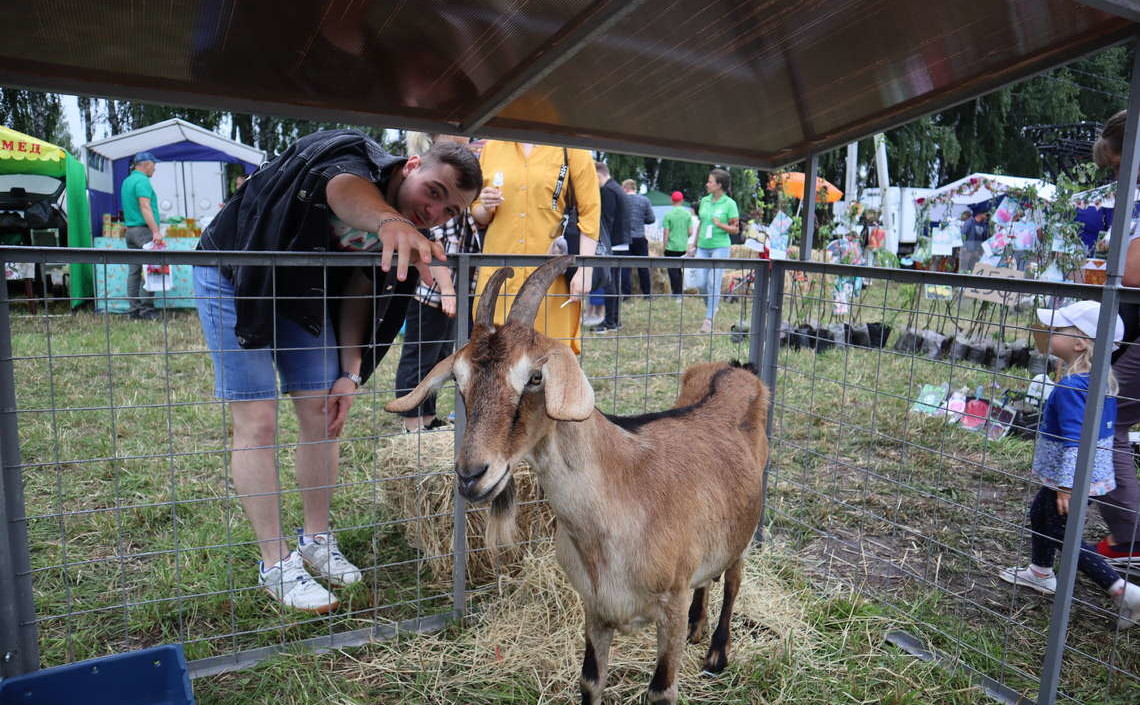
155,676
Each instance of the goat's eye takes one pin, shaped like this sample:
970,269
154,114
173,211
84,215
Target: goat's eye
535,379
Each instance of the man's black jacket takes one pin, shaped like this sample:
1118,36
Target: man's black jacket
283,208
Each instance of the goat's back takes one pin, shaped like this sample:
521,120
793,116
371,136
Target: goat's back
731,391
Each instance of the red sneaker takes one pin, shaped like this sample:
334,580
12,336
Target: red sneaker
1117,558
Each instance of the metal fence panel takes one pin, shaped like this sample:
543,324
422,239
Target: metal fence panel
135,535
874,485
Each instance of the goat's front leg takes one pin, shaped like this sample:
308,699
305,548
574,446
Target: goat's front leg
717,657
698,614
671,627
596,660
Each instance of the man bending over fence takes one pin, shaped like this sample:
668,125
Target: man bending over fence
322,331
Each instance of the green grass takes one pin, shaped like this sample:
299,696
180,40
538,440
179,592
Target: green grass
136,538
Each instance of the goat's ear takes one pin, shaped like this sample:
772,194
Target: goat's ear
569,396
430,384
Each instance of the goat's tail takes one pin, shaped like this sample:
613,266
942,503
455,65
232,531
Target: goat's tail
502,521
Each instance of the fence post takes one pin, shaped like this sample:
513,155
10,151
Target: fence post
1098,383
758,320
19,638
767,306
459,516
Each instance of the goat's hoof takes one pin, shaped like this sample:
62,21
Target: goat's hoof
715,663
696,634
657,699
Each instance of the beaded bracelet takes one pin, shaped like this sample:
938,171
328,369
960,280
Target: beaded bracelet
394,218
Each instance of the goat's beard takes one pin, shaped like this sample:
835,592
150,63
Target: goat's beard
502,522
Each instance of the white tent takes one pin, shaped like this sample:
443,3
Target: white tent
189,178
951,199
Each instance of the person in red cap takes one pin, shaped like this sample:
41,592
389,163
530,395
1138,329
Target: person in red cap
677,227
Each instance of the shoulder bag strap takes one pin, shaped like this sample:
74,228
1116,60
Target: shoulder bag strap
563,173
571,201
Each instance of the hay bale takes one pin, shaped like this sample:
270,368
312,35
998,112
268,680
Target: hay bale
528,634
419,485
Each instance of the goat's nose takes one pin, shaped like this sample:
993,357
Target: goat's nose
470,476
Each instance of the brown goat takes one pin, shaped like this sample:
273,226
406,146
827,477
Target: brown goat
649,507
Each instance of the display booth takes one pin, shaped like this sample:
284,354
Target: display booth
25,156
189,178
190,185
949,201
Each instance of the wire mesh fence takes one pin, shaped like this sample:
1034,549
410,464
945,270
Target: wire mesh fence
119,486
903,437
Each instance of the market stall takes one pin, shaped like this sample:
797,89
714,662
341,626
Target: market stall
24,155
189,178
950,200
1031,227
190,181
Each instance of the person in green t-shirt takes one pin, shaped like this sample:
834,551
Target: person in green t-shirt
678,227
719,221
140,215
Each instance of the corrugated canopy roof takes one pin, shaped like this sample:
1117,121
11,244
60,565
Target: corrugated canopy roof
752,82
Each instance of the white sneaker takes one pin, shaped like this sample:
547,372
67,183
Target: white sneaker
289,583
1128,606
323,555
1026,577
706,327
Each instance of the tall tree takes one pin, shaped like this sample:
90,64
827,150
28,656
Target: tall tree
87,116
985,134
37,114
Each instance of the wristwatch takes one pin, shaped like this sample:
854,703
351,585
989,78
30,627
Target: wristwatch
354,378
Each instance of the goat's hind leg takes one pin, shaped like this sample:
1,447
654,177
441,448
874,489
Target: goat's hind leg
698,614
596,660
717,657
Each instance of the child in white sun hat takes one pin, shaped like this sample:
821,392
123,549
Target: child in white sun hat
1072,330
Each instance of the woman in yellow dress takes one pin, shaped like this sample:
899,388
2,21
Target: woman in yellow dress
519,208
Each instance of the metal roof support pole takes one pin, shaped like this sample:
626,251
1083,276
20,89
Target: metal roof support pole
807,231
19,638
1098,383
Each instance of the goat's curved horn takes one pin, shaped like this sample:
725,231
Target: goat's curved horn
534,288
485,315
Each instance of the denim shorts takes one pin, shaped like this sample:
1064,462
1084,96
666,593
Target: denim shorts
304,362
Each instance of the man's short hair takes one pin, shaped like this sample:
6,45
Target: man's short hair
602,169
468,174
629,184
